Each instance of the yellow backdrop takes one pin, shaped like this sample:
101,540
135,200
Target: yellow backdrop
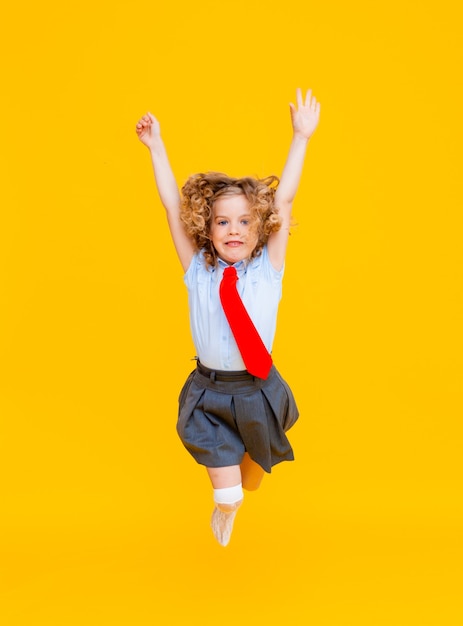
104,516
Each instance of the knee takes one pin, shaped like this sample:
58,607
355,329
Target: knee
251,486
252,483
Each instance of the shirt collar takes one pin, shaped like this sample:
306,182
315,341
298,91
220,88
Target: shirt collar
240,267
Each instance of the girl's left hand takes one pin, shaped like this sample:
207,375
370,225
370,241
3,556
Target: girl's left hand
305,116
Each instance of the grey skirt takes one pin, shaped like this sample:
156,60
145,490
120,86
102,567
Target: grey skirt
222,415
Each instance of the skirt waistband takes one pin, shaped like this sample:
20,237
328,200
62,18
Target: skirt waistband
223,375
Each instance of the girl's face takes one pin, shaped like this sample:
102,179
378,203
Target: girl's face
232,233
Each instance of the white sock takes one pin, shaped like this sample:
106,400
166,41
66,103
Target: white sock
228,495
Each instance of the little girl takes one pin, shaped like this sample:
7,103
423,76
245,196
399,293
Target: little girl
234,408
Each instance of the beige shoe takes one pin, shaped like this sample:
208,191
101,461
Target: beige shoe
222,525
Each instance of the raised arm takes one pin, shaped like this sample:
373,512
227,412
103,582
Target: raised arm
149,133
304,119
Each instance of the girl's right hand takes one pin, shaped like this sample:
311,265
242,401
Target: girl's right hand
148,130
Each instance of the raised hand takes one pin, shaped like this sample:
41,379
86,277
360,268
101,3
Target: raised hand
305,115
148,130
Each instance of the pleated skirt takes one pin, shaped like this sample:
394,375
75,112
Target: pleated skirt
222,415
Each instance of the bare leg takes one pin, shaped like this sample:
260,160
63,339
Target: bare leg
224,476
251,473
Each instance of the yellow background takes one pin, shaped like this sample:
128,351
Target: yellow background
104,516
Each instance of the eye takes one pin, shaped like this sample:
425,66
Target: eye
245,222
222,222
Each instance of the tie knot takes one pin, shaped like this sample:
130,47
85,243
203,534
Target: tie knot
230,272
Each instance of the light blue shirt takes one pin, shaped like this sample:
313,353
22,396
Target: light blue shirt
260,288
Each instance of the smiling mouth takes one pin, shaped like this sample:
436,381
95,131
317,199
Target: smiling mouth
234,244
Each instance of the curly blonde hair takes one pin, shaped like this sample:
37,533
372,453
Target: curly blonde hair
201,191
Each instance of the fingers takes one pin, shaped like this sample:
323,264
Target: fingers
308,97
145,122
309,102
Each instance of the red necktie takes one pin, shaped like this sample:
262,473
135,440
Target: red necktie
255,355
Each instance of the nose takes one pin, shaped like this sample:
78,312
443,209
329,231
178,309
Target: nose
233,229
